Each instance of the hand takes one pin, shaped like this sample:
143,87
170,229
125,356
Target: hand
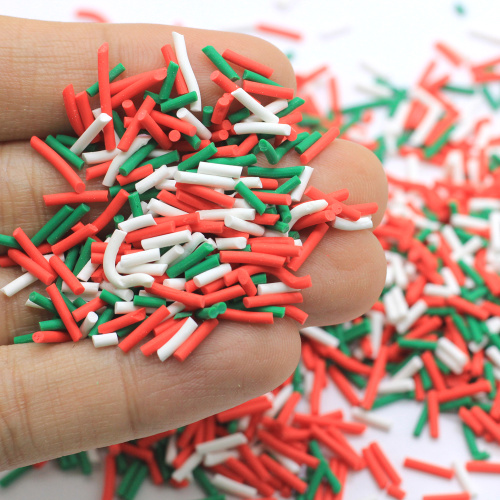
60,399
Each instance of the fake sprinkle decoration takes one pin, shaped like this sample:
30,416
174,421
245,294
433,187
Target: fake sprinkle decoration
211,236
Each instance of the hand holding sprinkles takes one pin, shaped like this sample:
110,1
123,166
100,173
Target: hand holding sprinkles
190,232
126,266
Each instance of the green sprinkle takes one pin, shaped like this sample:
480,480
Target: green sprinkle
459,90
281,227
42,301
288,185
206,117
470,439
194,141
363,107
202,479
85,464
79,212
269,152
118,219
68,302
489,375
128,478
23,339
51,324
297,380
141,301
259,279
278,312
135,160
114,73
205,265
9,478
135,204
240,161
434,149
220,63
330,476
179,102
285,214
9,241
67,140
170,157
188,262
275,173
155,97
63,151
421,345
422,420
307,142
239,115
183,315
110,298
53,223
250,197
118,124
151,193
315,481
212,311
83,257
472,273
293,104
232,427
194,160
357,331
255,77
168,83
106,316
122,332
388,399
461,326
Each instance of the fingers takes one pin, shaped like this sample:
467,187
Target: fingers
39,59
103,397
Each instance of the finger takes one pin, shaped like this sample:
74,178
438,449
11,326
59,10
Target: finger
103,397
348,271
346,165
39,58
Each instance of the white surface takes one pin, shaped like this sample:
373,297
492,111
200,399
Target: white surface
396,37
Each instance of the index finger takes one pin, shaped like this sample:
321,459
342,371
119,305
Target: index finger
39,59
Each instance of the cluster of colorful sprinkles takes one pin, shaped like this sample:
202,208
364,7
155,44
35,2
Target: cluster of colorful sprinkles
215,241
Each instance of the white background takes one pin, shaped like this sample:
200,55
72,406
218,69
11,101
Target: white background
397,37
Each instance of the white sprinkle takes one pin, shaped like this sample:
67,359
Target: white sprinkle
88,323
222,443
262,128
166,240
243,226
369,418
18,284
105,339
88,135
186,69
201,131
320,335
233,487
254,106
167,349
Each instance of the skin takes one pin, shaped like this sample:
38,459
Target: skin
60,399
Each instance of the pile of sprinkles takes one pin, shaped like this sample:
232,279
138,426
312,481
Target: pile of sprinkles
198,239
